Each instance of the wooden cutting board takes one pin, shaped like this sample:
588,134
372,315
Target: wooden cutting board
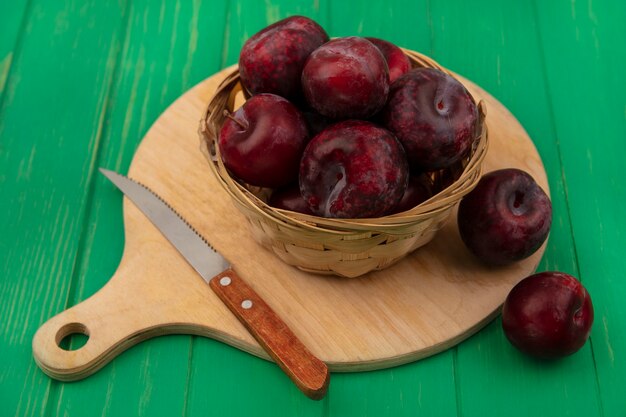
432,300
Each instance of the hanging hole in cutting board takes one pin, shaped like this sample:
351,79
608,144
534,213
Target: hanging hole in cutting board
72,336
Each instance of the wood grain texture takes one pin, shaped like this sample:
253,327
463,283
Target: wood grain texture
44,208
493,64
164,54
403,313
590,140
14,14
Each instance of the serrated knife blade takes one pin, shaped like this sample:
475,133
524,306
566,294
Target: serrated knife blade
309,373
193,246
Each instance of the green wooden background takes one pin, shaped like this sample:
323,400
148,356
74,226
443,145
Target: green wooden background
82,81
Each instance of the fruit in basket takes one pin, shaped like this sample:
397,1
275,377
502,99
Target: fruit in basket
271,61
353,169
418,190
548,315
505,218
434,117
397,61
289,198
261,143
315,121
346,78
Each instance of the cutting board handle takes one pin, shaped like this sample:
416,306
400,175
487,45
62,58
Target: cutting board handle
124,312
62,364
104,319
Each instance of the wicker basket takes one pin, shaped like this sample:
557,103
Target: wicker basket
344,247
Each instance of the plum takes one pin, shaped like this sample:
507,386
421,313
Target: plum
353,169
548,315
434,117
505,218
346,78
271,61
262,142
397,61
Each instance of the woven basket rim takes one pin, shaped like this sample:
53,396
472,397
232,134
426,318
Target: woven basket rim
398,223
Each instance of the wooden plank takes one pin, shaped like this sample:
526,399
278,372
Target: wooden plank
406,23
12,15
584,59
246,17
168,48
501,50
421,388
50,128
227,381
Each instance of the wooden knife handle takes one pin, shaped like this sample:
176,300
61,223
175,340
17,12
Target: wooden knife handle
309,373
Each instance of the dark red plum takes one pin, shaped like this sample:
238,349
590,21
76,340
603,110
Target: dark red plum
418,190
433,115
271,61
346,78
262,142
289,198
397,61
353,169
315,121
548,315
505,218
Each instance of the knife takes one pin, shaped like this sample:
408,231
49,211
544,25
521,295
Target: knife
308,373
